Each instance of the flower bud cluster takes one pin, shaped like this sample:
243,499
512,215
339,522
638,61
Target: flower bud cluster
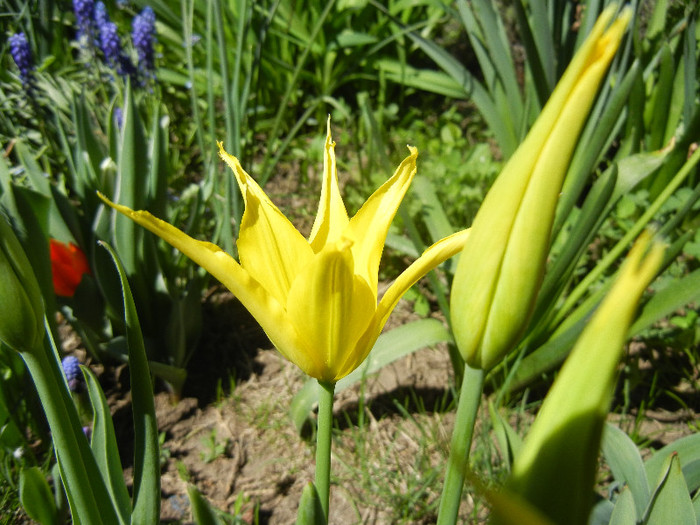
143,37
74,376
95,28
110,43
22,55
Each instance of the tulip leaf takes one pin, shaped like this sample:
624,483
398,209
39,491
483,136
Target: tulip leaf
105,449
146,507
310,510
202,513
601,513
508,439
508,508
626,464
634,169
687,448
678,293
36,498
671,497
132,170
389,347
624,512
433,214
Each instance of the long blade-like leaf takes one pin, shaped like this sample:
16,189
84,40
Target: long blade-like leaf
146,497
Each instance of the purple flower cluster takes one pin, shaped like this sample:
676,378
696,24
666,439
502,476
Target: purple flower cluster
143,36
96,28
74,376
84,11
110,43
22,55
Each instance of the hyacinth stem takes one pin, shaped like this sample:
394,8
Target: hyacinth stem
323,444
458,462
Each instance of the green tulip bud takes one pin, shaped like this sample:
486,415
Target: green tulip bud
503,260
555,469
21,305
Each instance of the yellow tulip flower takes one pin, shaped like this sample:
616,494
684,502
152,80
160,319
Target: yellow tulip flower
316,299
503,261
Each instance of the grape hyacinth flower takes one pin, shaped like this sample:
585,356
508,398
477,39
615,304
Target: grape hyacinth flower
100,14
110,43
74,376
118,117
22,55
143,37
84,11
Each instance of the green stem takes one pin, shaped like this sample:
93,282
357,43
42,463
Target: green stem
323,444
458,462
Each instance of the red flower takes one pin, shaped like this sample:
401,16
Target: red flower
68,265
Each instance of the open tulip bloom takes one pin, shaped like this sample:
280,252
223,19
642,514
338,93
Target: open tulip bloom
316,299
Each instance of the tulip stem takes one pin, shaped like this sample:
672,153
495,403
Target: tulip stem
458,462
323,444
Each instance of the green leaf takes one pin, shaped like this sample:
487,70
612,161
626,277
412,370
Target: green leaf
671,497
624,512
310,511
678,293
389,347
424,79
132,169
202,513
687,449
146,492
105,449
626,464
508,508
432,212
36,498
509,441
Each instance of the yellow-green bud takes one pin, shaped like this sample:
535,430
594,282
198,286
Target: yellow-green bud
21,305
555,469
502,264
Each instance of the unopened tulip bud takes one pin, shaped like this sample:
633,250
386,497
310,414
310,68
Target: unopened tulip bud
501,267
21,305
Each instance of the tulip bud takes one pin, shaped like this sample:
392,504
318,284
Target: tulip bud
68,265
555,469
502,263
21,305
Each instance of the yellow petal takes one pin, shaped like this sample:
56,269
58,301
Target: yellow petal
431,258
332,218
262,306
369,227
332,307
270,248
